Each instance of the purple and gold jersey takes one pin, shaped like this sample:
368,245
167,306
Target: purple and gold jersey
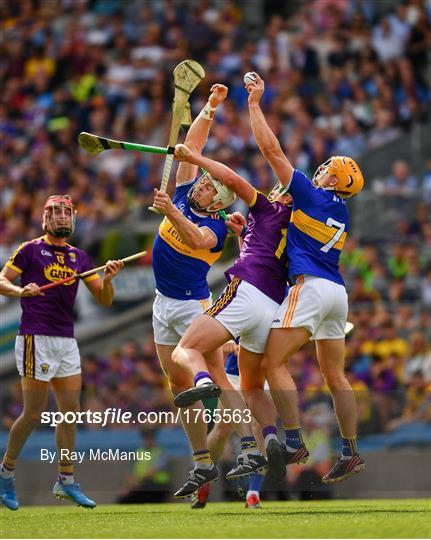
319,227
39,261
262,260
180,271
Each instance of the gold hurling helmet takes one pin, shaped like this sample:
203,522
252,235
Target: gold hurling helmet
349,177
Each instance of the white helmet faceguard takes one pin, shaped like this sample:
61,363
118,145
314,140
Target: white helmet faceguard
222,198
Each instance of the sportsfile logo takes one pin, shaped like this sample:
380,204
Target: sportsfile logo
118,416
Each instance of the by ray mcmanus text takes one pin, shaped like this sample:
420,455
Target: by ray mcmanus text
93,454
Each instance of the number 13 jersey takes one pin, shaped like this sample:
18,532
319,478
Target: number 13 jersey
317,231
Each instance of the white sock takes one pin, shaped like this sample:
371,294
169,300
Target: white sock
252,492
204,380
290,448
269,437
67,479
5,473
199,465
251,451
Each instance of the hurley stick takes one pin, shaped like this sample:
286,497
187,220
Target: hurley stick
91,272
95,145
187,76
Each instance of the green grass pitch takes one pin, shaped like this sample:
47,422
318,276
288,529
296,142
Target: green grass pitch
324,519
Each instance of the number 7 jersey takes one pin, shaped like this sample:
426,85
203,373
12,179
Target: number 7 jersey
317,230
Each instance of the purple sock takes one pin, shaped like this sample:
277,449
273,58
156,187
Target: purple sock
269,430
202,377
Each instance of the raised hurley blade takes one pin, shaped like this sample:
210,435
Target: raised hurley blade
187,76
92,143
95,144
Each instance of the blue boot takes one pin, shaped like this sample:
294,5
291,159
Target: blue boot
7,493
72,492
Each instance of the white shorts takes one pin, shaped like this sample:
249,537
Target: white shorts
317,304
234,379
246,312
172,317
46,357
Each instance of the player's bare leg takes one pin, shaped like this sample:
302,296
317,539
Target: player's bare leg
35,400
67,391
180,380
252,379
231,398
252,382
202,337
330,354
218,438
281,345
192,419
234,405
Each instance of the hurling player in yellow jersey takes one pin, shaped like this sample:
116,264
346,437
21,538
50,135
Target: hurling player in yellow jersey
316,306
190,239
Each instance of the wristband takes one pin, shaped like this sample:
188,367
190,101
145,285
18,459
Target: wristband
208,112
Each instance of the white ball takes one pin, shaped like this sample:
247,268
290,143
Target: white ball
249,78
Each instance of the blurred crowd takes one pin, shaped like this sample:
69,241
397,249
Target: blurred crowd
342,76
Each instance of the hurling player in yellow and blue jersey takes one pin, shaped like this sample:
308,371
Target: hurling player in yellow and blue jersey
317,305
190,239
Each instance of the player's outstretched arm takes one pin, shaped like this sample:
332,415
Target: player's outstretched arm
265,138
193,236
198,133
102,289
223,173
7,288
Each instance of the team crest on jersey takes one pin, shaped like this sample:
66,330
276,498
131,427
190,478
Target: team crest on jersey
72,256
55,272
44,368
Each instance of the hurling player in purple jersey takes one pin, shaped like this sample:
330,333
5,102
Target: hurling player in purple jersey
246,308
45,350
317,305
